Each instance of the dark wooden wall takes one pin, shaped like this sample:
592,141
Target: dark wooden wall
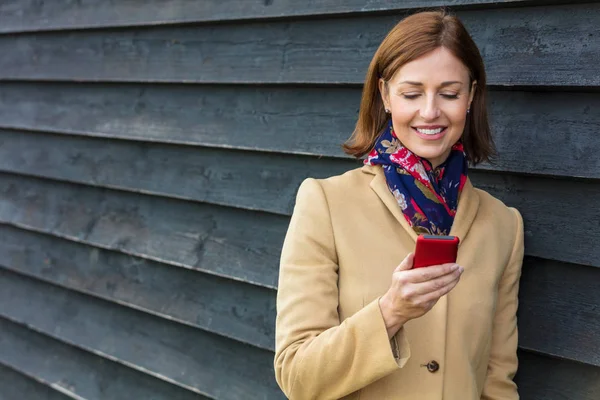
150,152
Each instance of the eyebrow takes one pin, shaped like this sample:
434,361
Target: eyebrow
444,84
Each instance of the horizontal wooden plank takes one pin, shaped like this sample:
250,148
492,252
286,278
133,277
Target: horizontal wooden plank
80,373
200,361
558,310
532,46
23,16
534,196
543,378
229,308
253,249
551,294
539,377
15,385
552,210
254,180
527,125
218,240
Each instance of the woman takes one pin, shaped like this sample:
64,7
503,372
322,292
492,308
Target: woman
354,320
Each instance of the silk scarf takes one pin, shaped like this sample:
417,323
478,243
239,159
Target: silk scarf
428,197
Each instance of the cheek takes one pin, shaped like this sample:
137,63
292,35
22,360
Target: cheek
403,112
403,124
458,120
457,115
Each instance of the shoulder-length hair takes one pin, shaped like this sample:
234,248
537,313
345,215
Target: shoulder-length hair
410,39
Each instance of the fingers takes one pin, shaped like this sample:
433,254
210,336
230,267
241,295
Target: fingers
438,284
425,292
414,292
436,294
429,273
406,264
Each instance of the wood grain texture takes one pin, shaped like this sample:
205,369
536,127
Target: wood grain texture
301,120
31,15
558,310
550,208
551,305
17,386
229,308
543,378
532,46
196,360
230,242
222,241
249,180
153,274
61,314
76,372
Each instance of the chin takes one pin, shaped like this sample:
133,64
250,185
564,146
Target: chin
427,153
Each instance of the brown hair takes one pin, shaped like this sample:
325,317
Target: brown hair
410,39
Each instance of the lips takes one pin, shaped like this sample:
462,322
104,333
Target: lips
430,132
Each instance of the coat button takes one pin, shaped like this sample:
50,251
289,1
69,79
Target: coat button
433,366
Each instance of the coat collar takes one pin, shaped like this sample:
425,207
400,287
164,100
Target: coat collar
468,204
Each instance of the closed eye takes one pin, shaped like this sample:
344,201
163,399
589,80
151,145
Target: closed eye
450,96
446,96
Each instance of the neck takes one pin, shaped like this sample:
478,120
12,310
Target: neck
437,161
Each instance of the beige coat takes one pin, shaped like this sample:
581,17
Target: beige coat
346,236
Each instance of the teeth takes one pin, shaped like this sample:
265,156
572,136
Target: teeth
430,131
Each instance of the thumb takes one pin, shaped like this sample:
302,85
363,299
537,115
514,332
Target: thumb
406,264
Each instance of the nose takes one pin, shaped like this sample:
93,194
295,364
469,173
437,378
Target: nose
430,111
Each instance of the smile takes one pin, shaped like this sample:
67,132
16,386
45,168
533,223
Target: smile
430,131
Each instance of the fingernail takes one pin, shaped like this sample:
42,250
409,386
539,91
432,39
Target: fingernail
461,269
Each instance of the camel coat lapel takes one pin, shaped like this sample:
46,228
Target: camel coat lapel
468,204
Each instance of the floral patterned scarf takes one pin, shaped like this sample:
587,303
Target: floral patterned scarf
427,197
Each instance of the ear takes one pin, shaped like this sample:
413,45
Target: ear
383,92
472,93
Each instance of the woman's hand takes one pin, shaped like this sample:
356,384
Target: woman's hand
415,291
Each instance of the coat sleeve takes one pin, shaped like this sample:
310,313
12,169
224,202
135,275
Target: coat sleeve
502,367
316,356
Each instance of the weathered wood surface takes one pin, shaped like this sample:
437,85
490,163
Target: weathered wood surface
228,241
161,258
225,307
551,305
250,180
530,46
196,360
543,378
241,179
551,209
77,372
31,15
112,332
223,241
558,310
308,120
14,385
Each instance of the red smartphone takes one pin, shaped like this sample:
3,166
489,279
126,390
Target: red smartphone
435,250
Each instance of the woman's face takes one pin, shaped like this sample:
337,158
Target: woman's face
428,99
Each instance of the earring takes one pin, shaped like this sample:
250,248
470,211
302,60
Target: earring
468,109
387,110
